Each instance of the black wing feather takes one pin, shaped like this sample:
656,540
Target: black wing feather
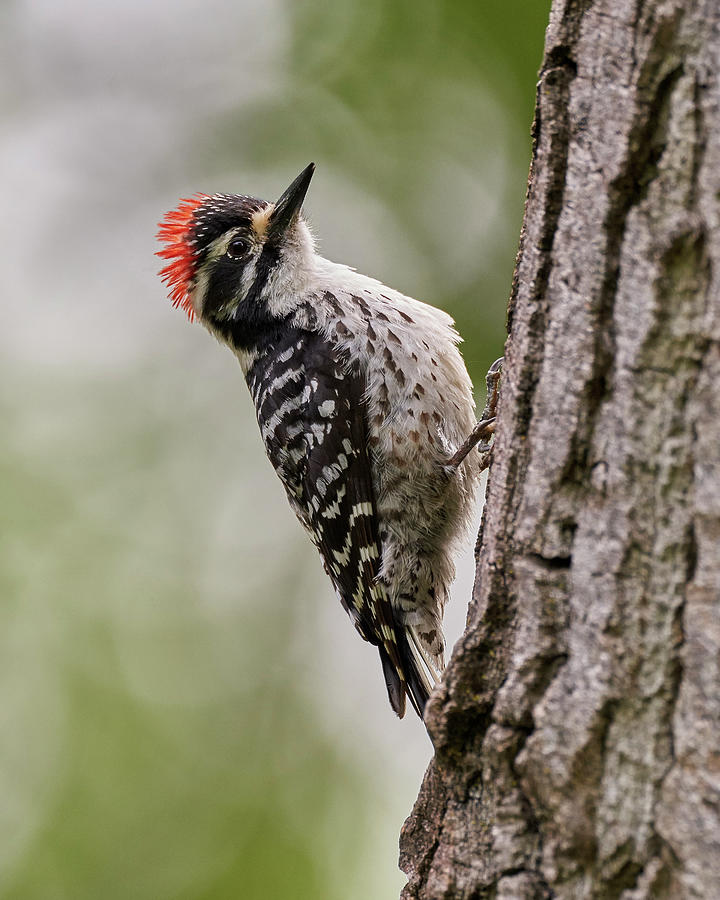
312,414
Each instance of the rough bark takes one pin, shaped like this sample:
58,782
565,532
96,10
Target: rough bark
577,732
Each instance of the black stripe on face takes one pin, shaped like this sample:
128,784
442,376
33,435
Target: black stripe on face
223,287
250,326
268,259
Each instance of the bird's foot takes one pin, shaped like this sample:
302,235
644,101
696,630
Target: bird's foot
485,428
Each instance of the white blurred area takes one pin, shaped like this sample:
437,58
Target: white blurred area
147,546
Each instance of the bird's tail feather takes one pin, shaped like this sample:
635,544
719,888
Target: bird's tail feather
393,683
433,663
419,673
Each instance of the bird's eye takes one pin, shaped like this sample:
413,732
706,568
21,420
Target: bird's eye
238,248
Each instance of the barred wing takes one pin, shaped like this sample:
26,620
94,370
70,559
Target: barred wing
312,417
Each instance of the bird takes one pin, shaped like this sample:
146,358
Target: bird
365,409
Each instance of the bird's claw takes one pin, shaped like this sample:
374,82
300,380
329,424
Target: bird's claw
485,428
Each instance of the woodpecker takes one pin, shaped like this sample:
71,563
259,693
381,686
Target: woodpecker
365,408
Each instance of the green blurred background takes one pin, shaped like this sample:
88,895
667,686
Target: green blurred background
186,711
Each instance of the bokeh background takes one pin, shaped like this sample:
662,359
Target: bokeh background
186,711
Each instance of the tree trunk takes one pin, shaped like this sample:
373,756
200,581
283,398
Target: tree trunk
577,731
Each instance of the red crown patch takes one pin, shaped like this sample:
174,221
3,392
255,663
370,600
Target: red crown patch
174,232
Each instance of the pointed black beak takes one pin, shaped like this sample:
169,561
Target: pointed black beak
287,209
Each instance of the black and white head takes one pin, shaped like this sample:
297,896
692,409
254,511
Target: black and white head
238,263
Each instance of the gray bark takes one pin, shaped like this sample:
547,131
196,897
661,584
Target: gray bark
577,731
